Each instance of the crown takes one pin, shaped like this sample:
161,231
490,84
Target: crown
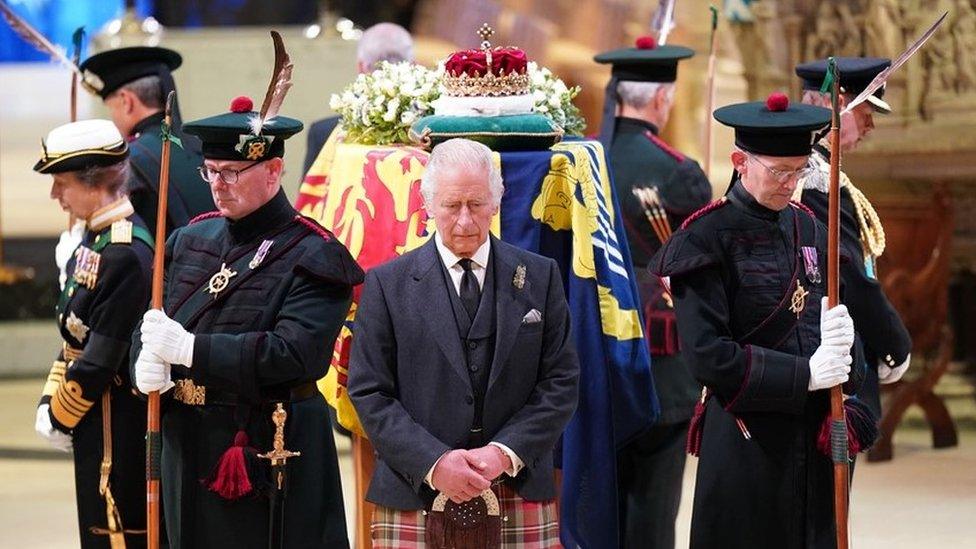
488,71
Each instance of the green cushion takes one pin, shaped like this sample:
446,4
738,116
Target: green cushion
520,132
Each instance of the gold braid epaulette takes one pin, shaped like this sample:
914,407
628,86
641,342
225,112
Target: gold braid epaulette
872,233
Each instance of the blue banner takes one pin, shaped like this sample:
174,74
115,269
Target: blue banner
560,204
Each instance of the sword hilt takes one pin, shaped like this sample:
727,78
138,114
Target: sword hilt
278,454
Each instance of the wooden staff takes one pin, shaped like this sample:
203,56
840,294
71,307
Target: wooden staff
710,95
838,423
153,438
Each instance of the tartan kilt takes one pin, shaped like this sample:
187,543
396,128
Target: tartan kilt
525,524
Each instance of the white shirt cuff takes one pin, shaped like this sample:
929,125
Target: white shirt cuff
517,463
429,479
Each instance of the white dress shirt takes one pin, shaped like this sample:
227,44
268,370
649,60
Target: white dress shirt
479,265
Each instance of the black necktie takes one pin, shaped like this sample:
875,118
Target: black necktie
470,292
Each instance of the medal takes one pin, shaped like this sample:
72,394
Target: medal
218,282
76,327
799,299
86,266
811,264
260,254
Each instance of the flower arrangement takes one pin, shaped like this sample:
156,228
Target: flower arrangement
379,107
555,100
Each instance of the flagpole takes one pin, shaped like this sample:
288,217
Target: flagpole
838,421
710,95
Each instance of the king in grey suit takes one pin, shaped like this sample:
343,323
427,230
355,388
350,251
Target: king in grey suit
463,370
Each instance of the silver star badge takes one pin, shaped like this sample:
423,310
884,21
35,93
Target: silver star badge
76,327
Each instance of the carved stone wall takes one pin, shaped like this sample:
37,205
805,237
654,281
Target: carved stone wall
931,135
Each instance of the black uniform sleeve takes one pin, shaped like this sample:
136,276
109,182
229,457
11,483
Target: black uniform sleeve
122,294
746,378
686,191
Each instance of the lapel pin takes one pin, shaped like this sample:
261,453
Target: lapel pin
519,279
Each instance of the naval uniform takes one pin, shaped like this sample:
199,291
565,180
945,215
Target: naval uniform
262,339
651,467
882,332
88,388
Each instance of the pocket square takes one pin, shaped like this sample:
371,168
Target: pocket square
532,317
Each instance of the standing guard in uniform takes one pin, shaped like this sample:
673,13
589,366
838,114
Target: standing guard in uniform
87,403
887,343
748,276
657,187
254,299
134,84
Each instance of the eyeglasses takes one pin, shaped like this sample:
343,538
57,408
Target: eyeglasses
783,176
228,175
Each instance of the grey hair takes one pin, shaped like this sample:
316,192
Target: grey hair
384,42
112,178
461,153
149,90
639,94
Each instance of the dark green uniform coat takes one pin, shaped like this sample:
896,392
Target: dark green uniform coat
100,321
876,321
269,334
733,271
650,468
189,195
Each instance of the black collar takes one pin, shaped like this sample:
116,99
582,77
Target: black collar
147,122
272,215
741,198
627,124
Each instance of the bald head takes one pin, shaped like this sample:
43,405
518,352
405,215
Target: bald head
383,42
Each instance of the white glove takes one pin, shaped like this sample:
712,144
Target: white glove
829,366
166,338
67,244
152,373
836,326
43,426
887,374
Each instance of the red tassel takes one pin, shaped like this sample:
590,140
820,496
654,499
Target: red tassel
230,479
862,430
697,426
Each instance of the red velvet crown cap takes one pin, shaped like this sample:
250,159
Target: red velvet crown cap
474,62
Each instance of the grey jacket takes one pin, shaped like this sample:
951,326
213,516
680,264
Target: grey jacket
409,385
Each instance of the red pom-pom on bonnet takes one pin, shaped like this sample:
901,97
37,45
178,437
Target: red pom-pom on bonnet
646,43
241,103
777,102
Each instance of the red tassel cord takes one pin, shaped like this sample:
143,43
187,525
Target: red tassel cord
230,478
697,425
862,428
